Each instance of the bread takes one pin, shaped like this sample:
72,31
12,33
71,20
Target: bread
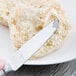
29,17
5,7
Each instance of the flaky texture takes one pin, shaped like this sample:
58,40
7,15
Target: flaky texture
31,16
5,7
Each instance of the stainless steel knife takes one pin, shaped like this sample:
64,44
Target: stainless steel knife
31,47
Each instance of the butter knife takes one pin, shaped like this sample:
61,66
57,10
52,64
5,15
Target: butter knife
31,47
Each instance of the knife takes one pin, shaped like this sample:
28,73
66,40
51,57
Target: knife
31,47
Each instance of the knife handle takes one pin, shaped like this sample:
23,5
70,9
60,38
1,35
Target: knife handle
4,71
7,68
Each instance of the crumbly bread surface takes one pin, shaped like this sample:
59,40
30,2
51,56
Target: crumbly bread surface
29,17
5,7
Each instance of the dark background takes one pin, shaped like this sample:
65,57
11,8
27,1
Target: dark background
64,69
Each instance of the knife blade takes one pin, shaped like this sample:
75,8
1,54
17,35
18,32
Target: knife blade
31,47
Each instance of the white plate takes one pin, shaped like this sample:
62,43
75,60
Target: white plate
66,53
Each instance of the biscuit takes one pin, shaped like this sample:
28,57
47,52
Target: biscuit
28,18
